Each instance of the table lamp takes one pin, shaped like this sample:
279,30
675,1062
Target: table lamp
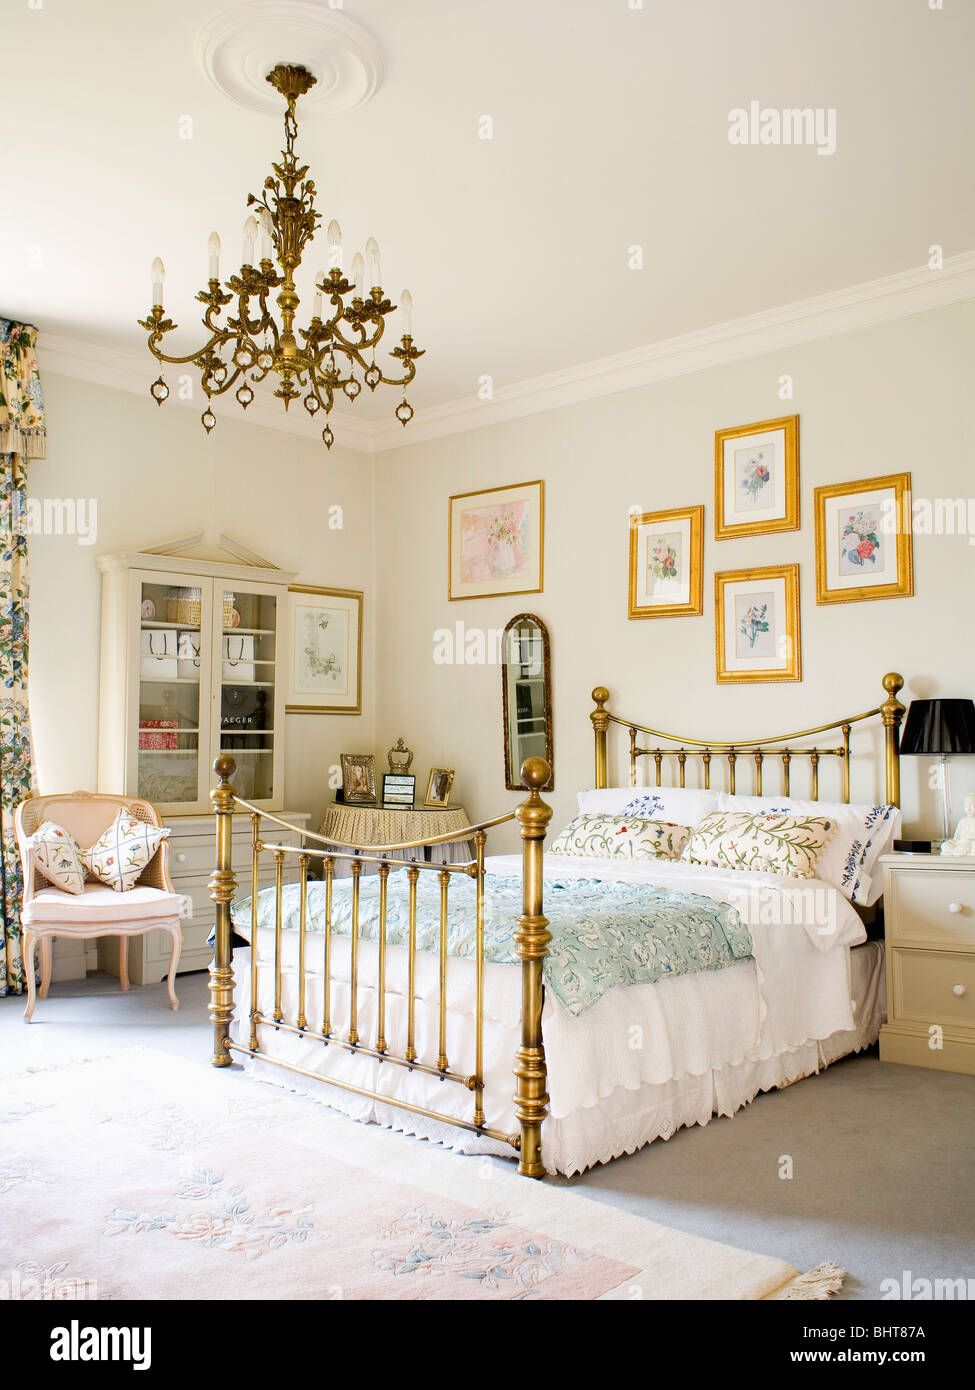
940,727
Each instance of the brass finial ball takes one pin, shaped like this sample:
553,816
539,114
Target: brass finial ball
225,766
535,773
893,682
600,694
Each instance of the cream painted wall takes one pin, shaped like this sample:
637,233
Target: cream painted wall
157,476
881,400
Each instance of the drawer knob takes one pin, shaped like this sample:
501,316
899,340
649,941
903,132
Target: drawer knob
181,859
959,990
954,907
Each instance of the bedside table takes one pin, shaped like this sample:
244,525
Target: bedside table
929,915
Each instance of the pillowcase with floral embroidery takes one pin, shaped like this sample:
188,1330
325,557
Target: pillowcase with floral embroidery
764,843
122,851
58,856
621,837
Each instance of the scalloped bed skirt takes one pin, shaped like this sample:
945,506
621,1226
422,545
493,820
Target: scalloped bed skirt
592,1120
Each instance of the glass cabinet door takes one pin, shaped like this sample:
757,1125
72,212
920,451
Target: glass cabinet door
173,662
247,678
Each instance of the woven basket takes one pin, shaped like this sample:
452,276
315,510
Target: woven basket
185,607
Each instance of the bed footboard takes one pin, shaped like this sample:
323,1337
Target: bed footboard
531,939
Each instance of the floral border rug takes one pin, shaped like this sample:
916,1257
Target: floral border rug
141,1175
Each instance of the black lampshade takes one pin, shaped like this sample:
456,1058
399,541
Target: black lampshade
939,726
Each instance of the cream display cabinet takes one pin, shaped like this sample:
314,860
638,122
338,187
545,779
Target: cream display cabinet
194,650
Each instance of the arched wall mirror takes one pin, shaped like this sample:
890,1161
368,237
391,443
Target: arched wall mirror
526,696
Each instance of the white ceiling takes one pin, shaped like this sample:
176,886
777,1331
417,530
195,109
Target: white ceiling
610,130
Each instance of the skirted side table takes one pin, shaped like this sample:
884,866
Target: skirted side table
377,825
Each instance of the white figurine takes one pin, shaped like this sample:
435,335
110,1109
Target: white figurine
963,841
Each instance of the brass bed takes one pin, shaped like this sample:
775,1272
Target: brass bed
532,936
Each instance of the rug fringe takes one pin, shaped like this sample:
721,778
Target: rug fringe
819,1283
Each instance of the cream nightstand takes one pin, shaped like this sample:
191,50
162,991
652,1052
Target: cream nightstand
929,915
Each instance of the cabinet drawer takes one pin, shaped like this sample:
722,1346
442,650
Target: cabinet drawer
933,905
925,985
193,858
159,944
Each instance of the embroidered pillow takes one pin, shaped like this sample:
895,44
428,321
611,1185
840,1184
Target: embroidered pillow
58,856
621,837
122,851
766,843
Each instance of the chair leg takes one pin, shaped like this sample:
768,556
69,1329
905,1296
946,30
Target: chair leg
29,945
46,953
123,961
177,935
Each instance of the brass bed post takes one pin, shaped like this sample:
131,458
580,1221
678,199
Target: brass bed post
532,939
222,887
892,712
600,723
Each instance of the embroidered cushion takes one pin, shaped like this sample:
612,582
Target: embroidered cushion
677,805
58,856
122,851
766,843
621,837
863,834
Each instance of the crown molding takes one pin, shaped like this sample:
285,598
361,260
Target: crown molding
840,311
130,369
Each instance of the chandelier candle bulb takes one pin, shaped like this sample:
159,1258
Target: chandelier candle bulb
406,304
334,238
260,340
250,239
375,266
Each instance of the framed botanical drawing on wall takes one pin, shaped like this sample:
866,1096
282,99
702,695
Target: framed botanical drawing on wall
495,541
756,617
864,547
666,563
756,478
325,676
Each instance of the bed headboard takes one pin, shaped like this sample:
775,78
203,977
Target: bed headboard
782,746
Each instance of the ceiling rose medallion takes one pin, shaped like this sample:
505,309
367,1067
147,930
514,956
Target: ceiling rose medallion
251,345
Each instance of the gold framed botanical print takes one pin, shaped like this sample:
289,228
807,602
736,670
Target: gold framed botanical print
326,650
756,625
495,542
667,563
864,546
756,478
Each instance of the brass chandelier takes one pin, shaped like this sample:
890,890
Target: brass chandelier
251,345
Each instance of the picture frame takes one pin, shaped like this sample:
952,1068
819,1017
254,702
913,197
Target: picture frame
359,779
325,671
439,786
666,575
399,790
756,478
496,542
756,625
864,542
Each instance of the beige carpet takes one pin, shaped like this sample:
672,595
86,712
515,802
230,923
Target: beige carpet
139,1175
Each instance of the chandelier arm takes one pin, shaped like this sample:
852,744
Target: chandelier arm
190,357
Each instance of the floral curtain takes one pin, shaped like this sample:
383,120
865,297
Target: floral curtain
23,436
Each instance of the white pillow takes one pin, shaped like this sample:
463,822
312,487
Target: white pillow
863,834
677,805
58,856
122,851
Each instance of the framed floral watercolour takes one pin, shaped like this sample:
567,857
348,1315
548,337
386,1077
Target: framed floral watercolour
495,540
756,614
666,563
756,478
326,651
864,547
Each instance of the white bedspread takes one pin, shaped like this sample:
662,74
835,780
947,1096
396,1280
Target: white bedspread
672,1036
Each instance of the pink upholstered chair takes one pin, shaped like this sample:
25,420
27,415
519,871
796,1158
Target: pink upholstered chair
151,905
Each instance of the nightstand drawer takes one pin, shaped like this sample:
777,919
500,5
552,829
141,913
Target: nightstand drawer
926,987
932,906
